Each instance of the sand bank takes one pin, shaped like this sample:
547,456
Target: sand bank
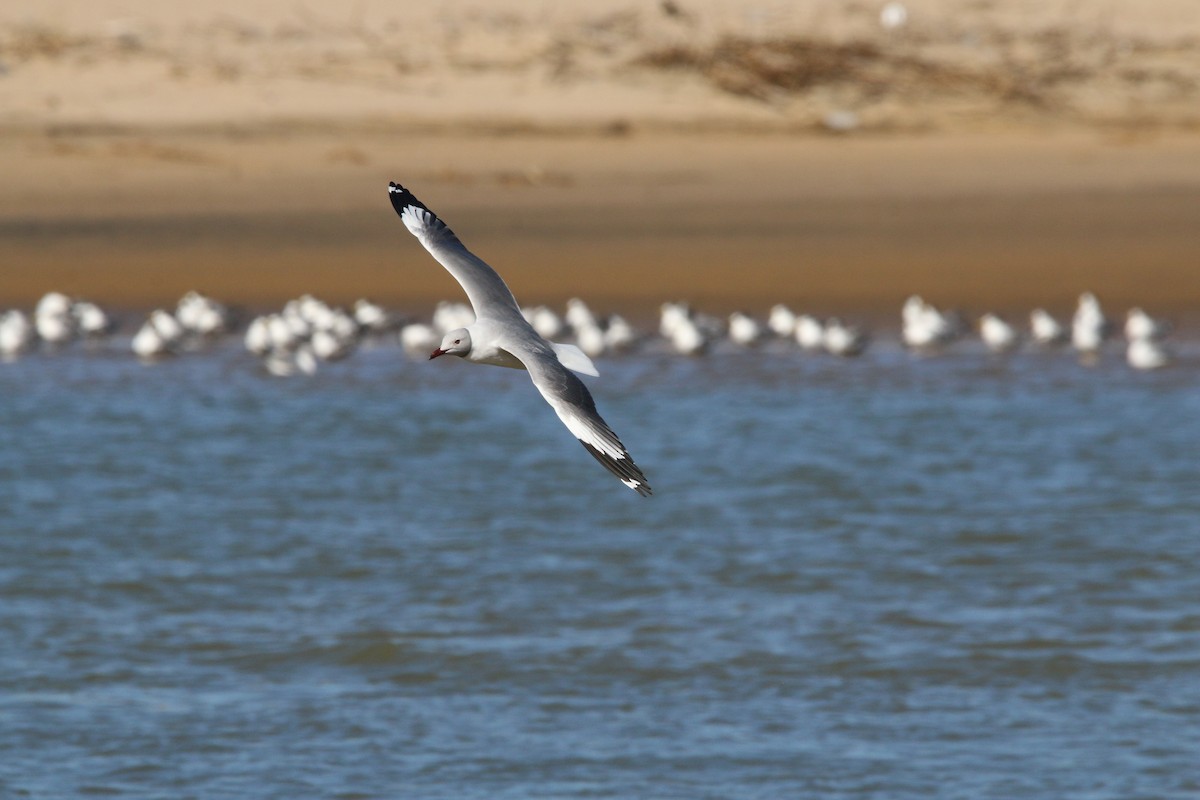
727,220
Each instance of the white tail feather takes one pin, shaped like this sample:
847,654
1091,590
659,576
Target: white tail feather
574,359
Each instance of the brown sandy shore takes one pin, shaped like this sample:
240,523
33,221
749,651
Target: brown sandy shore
994,155
627,221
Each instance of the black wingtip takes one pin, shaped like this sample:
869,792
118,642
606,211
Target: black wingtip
402,198
626,471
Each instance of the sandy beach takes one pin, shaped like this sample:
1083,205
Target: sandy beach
984,156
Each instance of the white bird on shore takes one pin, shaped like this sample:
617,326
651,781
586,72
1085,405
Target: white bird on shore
201,315
844,340
52,304
545,321
1140,325
372,316
590,339
313,309
782,321
90,319
152,340
17,334
619,335
1147,354
744,330
328,344
448,316
998,335
280,333
52,319
167,326
500,336
810,333
671,316
1045,329
923,325
279,363
296,314
285,363
689,339
417,337
258,336
579,315
1089,326
54,329
342,325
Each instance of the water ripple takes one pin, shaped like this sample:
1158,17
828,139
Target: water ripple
890,578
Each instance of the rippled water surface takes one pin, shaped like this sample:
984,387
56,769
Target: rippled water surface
889,578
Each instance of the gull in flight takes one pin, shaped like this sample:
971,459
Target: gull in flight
500,336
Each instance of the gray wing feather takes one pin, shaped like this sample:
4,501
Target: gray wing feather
489,295
573,403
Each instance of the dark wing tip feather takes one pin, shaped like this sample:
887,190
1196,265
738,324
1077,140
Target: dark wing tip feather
628,472
402,198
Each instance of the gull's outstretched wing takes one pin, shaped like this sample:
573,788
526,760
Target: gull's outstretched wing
489,295
573,403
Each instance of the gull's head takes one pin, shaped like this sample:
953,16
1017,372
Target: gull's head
454,343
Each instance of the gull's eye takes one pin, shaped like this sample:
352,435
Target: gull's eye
458,341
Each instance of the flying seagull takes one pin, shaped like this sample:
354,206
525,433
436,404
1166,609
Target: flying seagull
501,336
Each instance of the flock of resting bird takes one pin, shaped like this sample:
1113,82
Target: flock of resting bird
308,332
493,329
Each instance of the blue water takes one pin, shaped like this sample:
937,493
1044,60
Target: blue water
895,577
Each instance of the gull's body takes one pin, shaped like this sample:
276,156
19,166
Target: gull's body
1089,326
810,332
417,337
1140,325
998,335
501,336
258,336
590,339
1147,354
782,321
17,333
90,319
619,335
373,317
159,336
547,323
1046,330
744,330
843,340
925,327
201,315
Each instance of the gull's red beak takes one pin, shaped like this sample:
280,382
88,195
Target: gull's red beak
436,353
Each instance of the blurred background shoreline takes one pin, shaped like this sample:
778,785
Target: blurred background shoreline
997,155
